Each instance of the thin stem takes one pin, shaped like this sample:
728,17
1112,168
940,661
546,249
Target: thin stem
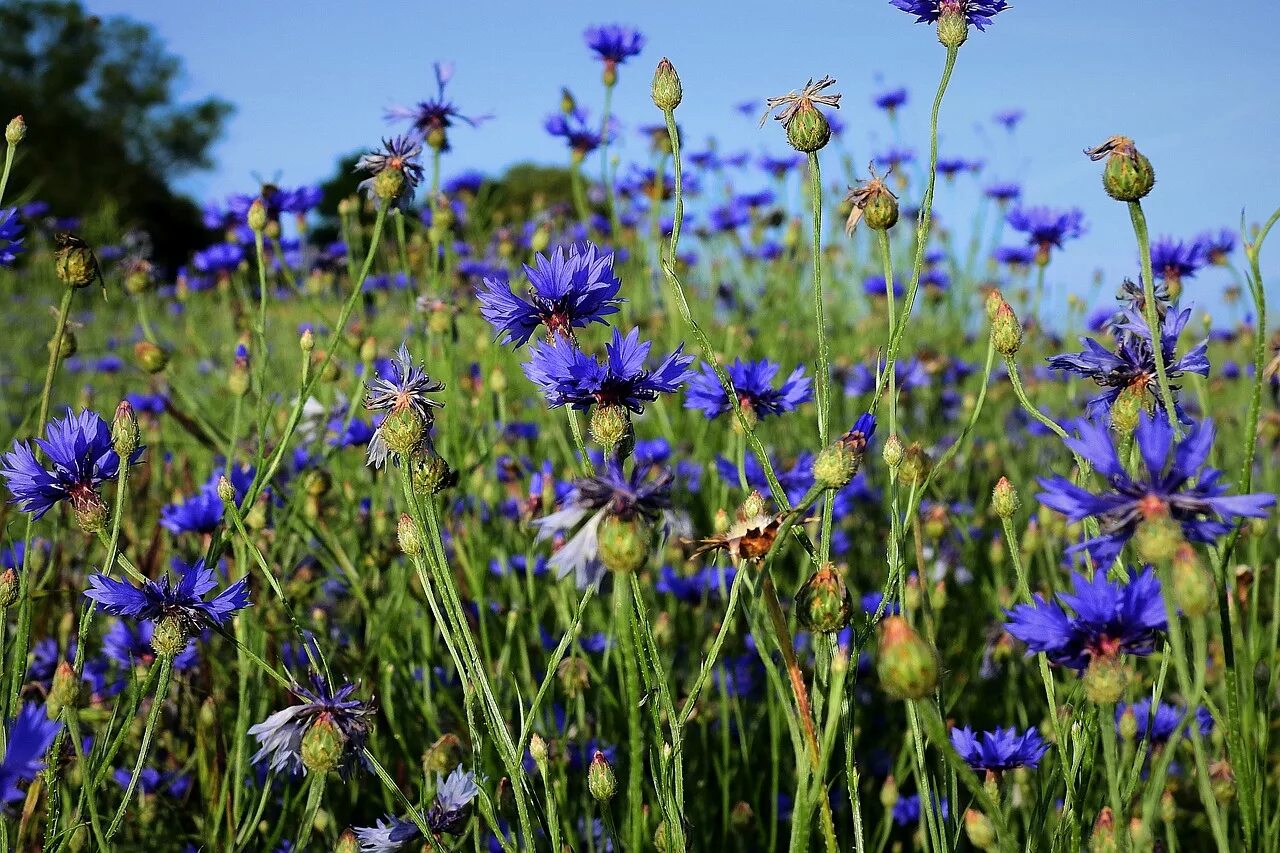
1149,311
157,705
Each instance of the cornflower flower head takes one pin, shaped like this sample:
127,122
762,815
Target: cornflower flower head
10,236
579,133
1164,721
893,157
29,738
1132,367
283,736
448,815
151,781
614,44
1008,119
807,129
977,13
999,750
569,377
1046,228
202,512
1133,297
430,120
1218,247
180,609
567,291
399,390
753,382
1174,260
398,160
1109,619
639,498
1159,493
80,458
891,100
1003,192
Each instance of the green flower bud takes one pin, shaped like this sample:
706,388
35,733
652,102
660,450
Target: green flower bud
1168,808
741,817
600,779
623,544
1193,586
892,452
169,637
835,466
408,535
1006,331
823,604
874,204
76,264
1105,680
1129,405
388,184
808,129
347,842
574,676
666,91
443,755
1128,175
238,380
1103,837
1004,498
1128,724
307,342
889,793
915,464
538,749
150,357
323,745
9,588
1158,538
906,663
541,238
64,692
226,491
15,131
609,425
993,302
1222,781
567,102
67,346
124,430
257,216
90,513
430,474
402,430
982,834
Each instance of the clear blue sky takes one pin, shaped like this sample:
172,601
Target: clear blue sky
1193,83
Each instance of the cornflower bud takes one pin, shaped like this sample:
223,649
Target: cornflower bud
64,691
600,779
666,90
1193,586
1004,498
823,602
15,131
257,216
409,537
873,203
538,749
1006,331
307,341
347,842
1128,175
323,745
979,829
905,662
9,588
124,430
623,544
75,263
1105,680
835,466
150,357
892,452
402,430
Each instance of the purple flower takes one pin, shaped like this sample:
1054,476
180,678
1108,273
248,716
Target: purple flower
893,157
579,132
1000,750
29,738
184,601
1203,511
566,292
1133,364
220,258
569,377
10,236
1046,228
1008,118
397,385
280,735
609,493
614,44
753,380
1163,722
891,99
80,456
1003,191
1014,256
906,811
1218,247
1174,260
152,781
400,153
1110,619
977,12
202,512
448,814
430,119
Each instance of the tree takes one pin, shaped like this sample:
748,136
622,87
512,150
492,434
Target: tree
105,128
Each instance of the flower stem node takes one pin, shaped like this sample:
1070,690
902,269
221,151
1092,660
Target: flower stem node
323,745
906,663
667,91
1105,680
823,604
1128,175
624,544
978,827
1004,498
600,779
170,636
124,430
408,535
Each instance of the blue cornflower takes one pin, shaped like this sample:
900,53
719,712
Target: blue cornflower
874,286
892,99
614,44
202,512
906,811
1110,619
753,380
1014,256
1046,228
10,236
431,119
608,494
183,603
1008,118
1218,247
400,153
567,291
949,167
778,167
280,735
219,259
977,12
1133,365
1161,490
468,182
569,377
1173,260
1003,192
399,385
152,781
1000,750
578,131
29,738
893,157
80,456
448,814
1164,722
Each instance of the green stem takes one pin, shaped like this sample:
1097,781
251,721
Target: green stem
1149,311
157,705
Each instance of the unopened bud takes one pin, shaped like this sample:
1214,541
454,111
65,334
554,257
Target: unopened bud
1006,331
124,431
257,216
1127,724
538,749
15,131
64,691
906,663
1105,680
226,491
574,675
892,452
9,588
348,842
835,466
76,265
979,829
889,792
408,535
915,464
808,129
307,341
623,544
600,779
150,357
430,474
1103,837
823,603
1128,175
666,91
1193,585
